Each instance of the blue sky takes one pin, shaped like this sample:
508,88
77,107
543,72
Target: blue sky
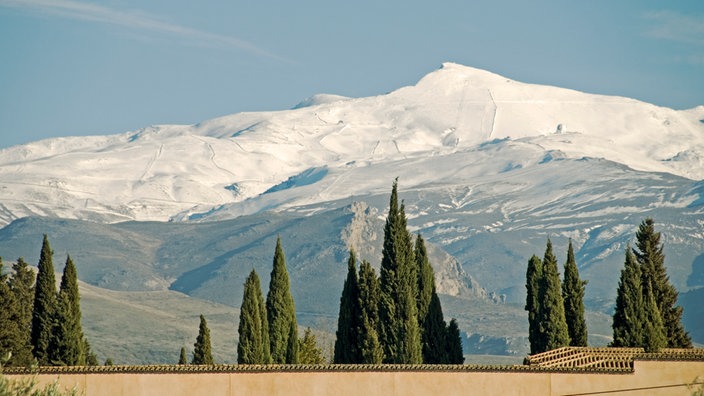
79,67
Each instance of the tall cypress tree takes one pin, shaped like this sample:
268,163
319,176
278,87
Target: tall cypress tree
533,276
67,347
292,345
454,344
280,309
371,351
435,334
426,279
553,325
45,304
11,339
573,297
399,332
22,286
629,319
651,258
253,344
202,351
654,336
347,342
430,317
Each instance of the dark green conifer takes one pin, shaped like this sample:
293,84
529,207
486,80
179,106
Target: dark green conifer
349,321
426,279
651,258
281,310
308,351
21,284
398,310
371,351
202,352
553,326
11,339
45,305
182,358
292,351
454,344
654,337
67,345
573,297
253,330
108,362
435,337
629,319
533,276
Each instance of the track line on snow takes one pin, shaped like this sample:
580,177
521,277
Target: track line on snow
151,163
212,157
493,118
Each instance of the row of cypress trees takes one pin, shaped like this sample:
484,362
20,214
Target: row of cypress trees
268,331
555,310
646,314
396,317
37,324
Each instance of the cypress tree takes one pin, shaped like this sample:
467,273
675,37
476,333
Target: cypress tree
629,319
347,342
292,344
435,334
426,279
398,331
308,351
45,304
280,310
533,276
454,344
202,353
182,359
654,337
266,345
67,345
371,351
11,339
553,326
651,258
253,344
22,286
573,297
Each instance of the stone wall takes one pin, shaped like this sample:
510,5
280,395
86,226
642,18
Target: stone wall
647,377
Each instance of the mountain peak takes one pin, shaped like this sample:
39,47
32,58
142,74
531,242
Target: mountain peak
162,172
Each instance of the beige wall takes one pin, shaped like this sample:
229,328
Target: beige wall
649,378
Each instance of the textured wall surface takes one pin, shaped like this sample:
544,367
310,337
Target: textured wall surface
649,377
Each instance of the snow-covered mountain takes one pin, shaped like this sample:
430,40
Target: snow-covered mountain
489,168
458,123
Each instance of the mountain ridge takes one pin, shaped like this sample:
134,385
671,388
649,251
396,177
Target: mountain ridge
159,172
489,168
